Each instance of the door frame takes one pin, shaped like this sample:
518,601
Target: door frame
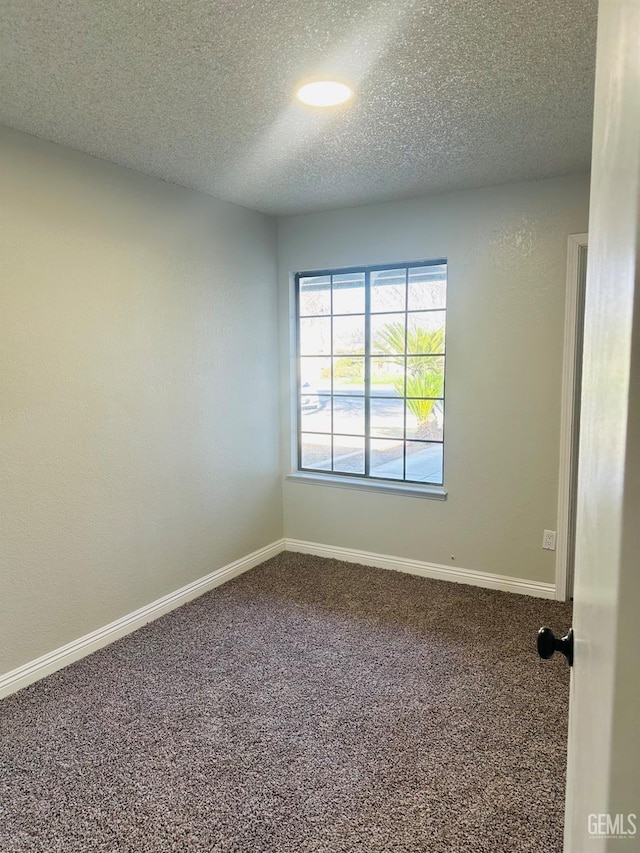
570,413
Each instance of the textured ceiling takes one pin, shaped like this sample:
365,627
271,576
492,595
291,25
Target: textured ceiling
450,93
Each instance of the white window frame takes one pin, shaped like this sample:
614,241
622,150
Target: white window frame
336,479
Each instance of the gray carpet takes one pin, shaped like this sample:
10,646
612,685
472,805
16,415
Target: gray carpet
309,705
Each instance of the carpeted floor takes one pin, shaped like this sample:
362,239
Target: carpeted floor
309,706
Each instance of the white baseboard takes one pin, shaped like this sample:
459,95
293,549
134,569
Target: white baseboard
425,570
24,675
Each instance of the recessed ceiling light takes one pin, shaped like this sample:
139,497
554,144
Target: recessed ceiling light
324,93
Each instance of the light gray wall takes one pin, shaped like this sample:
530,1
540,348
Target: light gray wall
138,353
506,248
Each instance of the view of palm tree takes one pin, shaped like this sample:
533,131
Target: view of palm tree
393,427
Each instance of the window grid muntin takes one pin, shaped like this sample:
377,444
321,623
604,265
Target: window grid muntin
332,383
367,373
368,396
404,382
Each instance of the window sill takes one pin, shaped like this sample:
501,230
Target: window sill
434,493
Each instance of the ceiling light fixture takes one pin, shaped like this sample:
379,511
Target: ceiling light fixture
323,93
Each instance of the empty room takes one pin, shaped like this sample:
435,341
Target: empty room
319,456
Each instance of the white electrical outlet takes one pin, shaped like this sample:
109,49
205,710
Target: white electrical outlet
549,540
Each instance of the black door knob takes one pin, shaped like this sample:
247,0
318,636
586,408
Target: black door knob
548,643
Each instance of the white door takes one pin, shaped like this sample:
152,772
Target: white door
603,773
570,415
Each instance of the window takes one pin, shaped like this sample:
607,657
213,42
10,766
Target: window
370,347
